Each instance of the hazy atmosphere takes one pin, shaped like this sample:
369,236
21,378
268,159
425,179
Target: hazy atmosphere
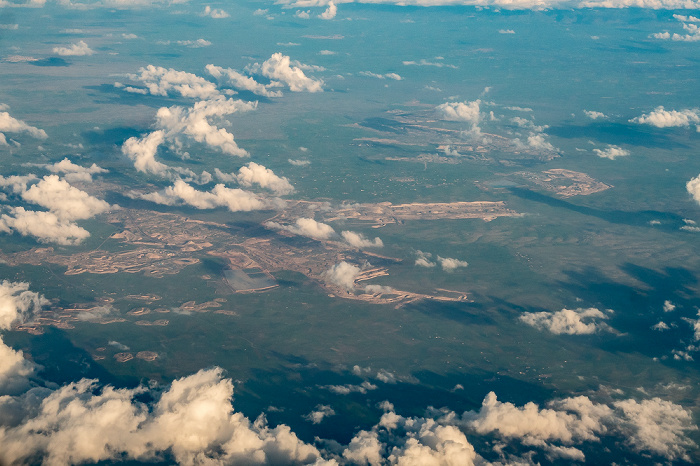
423,232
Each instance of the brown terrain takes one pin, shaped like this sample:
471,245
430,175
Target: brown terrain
166,243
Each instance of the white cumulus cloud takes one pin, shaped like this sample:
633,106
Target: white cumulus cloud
393,76
256,174
75,50
693,187
359,241
163,81
569,321
193,420
662,118
449,264
8,124
18,304
66,201
242,82
593,115
142,151
461,111
279,68
46,227
343,275
215,13
653,425
73,172
319,414
330,12
306,227
194,122
611,152
423,259
235,200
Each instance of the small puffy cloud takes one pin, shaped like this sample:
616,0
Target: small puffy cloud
95,314
261,12
194,44
330,12
242,82
669,306
319,414
256,174
363,388
163,81
611,152
448,264
693,187
537,141
461,111
72,172
303,14
393,76
129,36
424,62
526,123
75,50
215,13
687,19
569,321
515,108
299,162
593,115
662,118
360,241
696,327
66,201
506,31
692,30
379,289
119,346
343,275
661,326
306,227
18,304
235,200
278,67
46,227
8,124
423,259
327,52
